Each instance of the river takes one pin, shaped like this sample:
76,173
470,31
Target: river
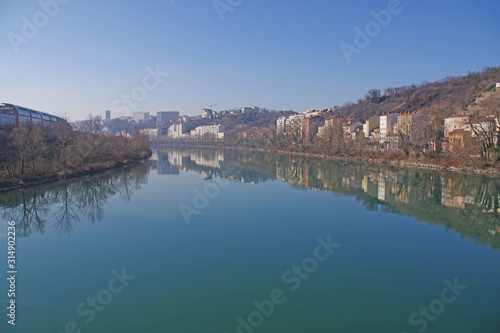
212,240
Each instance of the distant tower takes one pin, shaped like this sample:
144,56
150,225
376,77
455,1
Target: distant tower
108,115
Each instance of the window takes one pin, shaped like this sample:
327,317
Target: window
7,120
23,119
24,113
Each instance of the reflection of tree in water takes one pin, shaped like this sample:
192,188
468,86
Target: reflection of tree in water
91,196
28,209
128,182
65,202
66,214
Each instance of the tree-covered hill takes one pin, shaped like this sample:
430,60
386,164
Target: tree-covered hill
443,98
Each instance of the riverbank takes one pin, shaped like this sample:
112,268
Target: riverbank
14,183
399,162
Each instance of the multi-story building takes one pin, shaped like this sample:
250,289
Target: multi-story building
458,139
387,124
250,110
329,127
208,132
351,125
370,125
310,126
167,116
141,117
207,113
293,126
152,133
281,125
456,123
176,131
108,115
414,125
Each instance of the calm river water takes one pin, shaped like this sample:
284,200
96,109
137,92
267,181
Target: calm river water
231,241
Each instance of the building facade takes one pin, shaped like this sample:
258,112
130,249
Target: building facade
370,125
167,116
413,125
250,110
293,126
209,132
141,117
176,131
456,123
281,125
387,124
310,126
207,113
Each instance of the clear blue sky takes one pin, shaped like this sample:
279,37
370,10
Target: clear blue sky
281,54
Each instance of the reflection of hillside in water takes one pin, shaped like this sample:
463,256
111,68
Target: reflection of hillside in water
466,204
66,202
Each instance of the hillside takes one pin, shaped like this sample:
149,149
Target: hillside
441,98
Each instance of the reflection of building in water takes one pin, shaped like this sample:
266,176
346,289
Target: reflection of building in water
370,185
350,183
164,167
206,158
386,192
249,179
454,197
207,175
381,189
292,173
175,158
402,193
456,201
211,159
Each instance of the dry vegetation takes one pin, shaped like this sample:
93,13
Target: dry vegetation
33,153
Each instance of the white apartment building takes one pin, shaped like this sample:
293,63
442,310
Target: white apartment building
281,125
176,131
387,122
209,132
293,125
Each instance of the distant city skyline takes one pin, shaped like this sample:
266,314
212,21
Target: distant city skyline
73,58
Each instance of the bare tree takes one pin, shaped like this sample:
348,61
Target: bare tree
485,126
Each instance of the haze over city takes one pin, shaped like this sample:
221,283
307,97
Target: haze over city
72,58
